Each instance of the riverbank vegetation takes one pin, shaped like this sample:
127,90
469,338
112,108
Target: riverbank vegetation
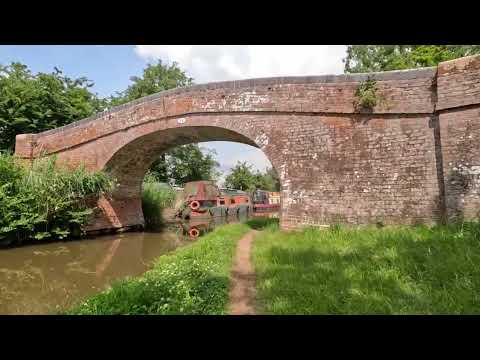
391,270
156,197
42,201
192,280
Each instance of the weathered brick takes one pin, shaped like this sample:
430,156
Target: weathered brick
335,164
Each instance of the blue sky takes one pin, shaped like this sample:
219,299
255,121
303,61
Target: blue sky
110,68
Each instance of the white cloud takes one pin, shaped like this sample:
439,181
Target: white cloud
228,154
207,63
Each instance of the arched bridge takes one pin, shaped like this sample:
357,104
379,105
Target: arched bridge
413,158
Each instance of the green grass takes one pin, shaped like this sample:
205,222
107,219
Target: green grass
393,270
192,280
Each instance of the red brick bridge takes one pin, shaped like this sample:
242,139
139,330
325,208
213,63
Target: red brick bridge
413,158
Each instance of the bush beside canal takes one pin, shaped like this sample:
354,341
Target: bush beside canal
44,201
392,270
156,196
192,280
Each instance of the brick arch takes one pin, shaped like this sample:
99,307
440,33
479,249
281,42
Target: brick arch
399,162
130,162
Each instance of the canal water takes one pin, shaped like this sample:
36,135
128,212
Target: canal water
47,278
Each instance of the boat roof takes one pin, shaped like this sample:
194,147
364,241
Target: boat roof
233,191
201,182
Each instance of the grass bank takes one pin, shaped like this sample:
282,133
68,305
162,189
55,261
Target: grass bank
192,280
398,270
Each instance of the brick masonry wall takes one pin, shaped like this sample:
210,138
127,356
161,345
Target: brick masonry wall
460,130
459,118
336,164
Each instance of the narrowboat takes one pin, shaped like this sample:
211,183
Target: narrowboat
266,201
205,199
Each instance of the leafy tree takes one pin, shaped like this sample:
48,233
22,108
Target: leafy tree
186,163
34,103
269,180
371,58
242,177
156,77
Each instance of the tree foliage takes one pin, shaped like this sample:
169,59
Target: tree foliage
268,180
186,163
242,177
375,58
156,77
32,103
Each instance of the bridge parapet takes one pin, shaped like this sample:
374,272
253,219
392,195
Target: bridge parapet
402,92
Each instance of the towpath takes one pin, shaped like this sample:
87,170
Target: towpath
242,291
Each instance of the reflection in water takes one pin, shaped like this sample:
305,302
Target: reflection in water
45,278
200,225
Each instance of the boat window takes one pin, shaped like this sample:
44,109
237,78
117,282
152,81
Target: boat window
222,202
232,201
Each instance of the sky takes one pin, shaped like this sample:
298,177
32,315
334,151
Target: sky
111,66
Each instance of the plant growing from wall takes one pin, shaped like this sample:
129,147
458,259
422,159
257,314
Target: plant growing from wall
366,97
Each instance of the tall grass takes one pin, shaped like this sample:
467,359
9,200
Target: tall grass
393,270
156,196
45,201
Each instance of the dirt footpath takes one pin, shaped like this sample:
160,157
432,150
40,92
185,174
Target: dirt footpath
242,291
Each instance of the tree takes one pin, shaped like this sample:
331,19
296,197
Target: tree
155,78
269,180
34,103
186,163
372,58
242,177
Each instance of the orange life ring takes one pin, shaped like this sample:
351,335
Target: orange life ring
193,232
194,205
